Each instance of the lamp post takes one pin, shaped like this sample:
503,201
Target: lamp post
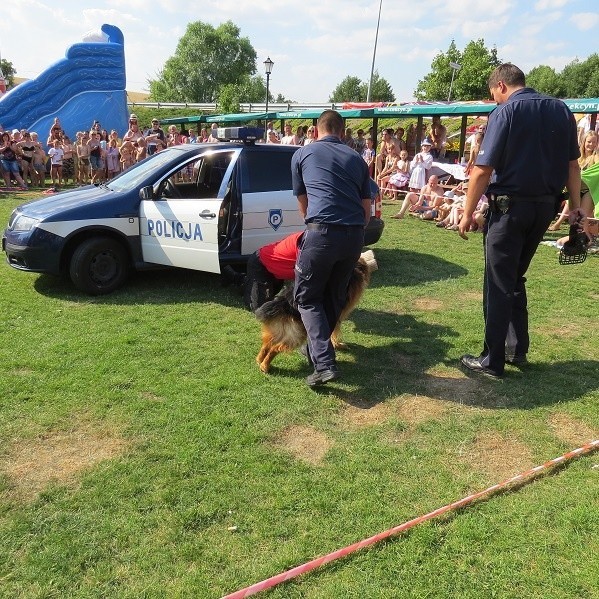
455,67
268,65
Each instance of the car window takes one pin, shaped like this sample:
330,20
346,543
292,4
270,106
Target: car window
198,178
266,171
136,175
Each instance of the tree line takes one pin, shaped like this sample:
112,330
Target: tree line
217,65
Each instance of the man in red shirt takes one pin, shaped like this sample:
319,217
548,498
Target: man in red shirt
268,268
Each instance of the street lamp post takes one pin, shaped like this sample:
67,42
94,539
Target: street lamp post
268,64
455,67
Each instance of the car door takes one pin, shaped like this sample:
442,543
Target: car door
179,225
270,210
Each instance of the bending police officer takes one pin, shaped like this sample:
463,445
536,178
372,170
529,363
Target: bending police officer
332,186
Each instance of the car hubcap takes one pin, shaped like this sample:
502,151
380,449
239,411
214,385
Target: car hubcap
104,267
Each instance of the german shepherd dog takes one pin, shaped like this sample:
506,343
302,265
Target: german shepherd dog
282,327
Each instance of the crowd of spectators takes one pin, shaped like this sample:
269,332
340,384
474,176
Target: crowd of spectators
94,156
97,155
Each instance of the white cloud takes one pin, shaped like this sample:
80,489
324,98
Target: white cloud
551,4
536,24
482,29
585,20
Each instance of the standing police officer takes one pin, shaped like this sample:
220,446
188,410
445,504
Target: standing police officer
332,186
531,144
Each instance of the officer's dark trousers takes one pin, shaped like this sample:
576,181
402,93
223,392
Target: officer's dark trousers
324,265
511,241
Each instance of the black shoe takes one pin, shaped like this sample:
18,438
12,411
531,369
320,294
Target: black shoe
306,353
320,377
516,360
473,363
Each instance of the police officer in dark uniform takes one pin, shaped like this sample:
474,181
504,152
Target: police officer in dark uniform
531,145
331,183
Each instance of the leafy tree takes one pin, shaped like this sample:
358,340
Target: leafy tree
248,89
592,90
349,90
580,79
380,91
353,89
205,59
281,99
470,82
228,99
545,80
9,72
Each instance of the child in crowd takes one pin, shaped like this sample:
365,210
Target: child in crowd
68,162
83,159
95,155
38,174
26,148
141,149
369,155
401,177
389,169
56,154
420,165
360,142
127,155
113,165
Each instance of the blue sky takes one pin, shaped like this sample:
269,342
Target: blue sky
314,43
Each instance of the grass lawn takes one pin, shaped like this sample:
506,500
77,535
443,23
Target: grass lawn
143,454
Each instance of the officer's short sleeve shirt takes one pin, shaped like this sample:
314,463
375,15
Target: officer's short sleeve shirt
529,141
335,178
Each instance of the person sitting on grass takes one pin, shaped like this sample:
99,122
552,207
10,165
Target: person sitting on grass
430,195
444,209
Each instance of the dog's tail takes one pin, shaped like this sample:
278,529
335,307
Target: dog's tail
368,257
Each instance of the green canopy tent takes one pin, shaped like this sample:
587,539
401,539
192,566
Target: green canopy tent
241,117
183,120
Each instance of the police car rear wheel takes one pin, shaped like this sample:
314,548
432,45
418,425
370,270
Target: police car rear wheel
99,266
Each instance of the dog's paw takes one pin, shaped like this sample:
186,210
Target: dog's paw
264,368
340,345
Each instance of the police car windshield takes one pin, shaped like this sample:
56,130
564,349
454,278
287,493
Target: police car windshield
139,174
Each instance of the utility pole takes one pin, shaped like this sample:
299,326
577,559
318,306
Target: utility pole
376,37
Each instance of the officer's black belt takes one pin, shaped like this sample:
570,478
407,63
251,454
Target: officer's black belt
329,227
513,198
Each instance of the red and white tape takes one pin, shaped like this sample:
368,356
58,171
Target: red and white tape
325,559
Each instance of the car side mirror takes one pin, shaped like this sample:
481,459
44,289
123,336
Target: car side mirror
146,193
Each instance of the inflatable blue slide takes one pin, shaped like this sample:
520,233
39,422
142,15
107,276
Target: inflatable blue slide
87,85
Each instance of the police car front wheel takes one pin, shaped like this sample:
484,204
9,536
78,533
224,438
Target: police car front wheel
99,265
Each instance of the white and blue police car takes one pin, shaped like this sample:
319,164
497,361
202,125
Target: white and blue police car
195,206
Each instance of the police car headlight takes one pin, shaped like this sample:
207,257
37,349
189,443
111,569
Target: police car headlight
24,223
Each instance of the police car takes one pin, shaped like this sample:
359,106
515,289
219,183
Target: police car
190,206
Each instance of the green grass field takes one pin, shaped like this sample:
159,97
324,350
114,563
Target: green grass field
143,454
